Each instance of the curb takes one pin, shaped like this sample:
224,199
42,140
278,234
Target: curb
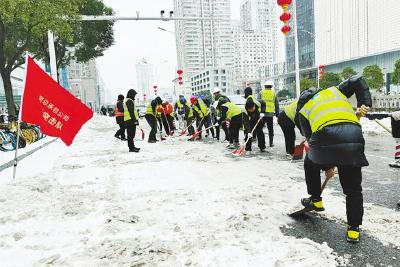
21,157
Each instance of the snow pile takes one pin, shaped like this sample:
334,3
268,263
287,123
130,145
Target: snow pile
372,128
175,203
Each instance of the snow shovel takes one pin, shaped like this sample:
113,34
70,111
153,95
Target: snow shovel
197,133
383,126
242,150
298,151
305,209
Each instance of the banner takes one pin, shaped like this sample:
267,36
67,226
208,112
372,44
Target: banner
53,108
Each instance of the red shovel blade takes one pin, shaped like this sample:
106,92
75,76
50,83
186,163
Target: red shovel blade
298,152
239,152
195,134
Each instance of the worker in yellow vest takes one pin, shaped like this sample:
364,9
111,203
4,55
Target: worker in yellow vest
131,119
271,109
286,121
202,113
151,118
254,110
233,115
335,138
119,117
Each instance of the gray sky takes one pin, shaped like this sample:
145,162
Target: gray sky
141,39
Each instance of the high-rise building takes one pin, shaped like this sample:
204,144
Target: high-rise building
203,44
145,77
306,38
255,39
83,81
348,29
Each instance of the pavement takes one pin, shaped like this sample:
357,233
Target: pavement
381,186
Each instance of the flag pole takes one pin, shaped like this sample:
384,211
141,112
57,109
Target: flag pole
19,119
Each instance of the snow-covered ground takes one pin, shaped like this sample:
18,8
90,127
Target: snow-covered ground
372,128
175,203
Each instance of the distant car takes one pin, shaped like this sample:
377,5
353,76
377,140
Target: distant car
238,100
235,99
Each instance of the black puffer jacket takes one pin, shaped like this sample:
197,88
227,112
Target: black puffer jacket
395,128
341,143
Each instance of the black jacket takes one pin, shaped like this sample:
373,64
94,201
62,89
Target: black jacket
131,107
341,143
395,128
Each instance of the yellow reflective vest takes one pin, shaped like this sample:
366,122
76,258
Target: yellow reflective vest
149,110
328,107
290,110
269,97
233,110
203,111
258,104
127,115
179,104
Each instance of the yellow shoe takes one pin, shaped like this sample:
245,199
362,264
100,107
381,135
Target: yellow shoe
313,204
353,234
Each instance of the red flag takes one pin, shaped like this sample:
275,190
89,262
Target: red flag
53,108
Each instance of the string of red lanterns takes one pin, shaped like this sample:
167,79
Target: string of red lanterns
180,78
286,16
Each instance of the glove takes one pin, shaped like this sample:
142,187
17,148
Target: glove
262,115
396,115
361,111
249,135
218,118
216,125
136,123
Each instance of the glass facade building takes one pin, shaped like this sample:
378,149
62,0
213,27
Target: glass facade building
306,36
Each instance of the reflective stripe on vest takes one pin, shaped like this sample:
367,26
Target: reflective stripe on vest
328,107
149,110
233,110
179,104
290,110
118,113
203,111
269,97
127,115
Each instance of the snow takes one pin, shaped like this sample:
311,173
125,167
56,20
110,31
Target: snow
175,203
372,128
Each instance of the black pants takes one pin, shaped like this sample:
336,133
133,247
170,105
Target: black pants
270,125
288,129
350,179
152,121
167,121
206,121
121,132
234,127
258,132
131,130
189,123
224,128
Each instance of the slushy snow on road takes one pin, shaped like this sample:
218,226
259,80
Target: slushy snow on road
176,203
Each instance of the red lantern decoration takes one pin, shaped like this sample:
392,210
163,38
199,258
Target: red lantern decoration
180,83
155,87
180,72
285,17
284,4
180,78
286,29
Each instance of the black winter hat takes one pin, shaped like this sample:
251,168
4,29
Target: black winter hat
249,104
121,97
248,91
131,94
158,100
